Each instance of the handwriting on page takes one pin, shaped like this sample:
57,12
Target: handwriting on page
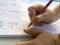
8,7
11,14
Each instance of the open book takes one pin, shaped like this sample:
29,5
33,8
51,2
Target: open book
14,18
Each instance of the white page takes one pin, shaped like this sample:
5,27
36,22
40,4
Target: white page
14,17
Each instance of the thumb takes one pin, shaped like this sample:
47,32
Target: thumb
33,31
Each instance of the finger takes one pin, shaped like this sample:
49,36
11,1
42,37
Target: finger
25,43
32,13
33,31
59,36
34,9
57,39
38,20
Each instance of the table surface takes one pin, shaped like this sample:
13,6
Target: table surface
12,41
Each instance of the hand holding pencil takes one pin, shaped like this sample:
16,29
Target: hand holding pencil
37,10
47,16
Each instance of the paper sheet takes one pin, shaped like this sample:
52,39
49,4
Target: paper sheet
14,18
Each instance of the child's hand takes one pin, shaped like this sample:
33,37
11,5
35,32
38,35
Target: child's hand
48,16
41,37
